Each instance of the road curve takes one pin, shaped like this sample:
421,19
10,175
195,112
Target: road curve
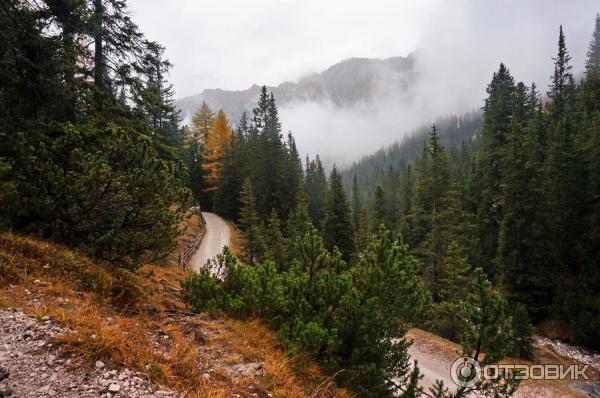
217,235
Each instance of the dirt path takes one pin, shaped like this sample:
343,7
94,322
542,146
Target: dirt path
435,356
217,235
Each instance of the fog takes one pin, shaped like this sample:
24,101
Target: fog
460,44
463,46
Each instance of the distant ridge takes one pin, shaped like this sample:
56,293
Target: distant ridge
346,83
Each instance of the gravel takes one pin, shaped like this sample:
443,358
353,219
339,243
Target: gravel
33,366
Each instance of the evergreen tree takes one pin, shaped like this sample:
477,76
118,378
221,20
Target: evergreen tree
276,248
379,208
566,181
523,252
293,177
231,176
338,231
562,84
89,130
498,110
316,191
363,231
455,290
592,64
406,202
356,203
254,243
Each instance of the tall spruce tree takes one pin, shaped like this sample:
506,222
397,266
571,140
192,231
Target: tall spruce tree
338,230
566,180
497,113
254,243
316,188
592,64
379,209
356,202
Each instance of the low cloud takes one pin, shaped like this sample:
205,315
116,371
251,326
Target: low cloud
462,47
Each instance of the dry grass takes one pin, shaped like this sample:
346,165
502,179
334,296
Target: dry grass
285,376
123,318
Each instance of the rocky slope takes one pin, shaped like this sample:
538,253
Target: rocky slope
38,367
70,327
344,84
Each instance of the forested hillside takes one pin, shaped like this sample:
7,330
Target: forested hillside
488,228
478,229
89,139
517,195
344,294
386,166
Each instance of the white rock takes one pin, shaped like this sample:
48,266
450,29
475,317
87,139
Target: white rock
99,364
114,387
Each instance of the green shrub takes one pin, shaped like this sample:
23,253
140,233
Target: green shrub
351,317
103,190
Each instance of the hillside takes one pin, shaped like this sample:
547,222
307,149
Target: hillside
87,330
346,83
376,169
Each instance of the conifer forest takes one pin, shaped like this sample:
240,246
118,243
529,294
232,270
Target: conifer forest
480,227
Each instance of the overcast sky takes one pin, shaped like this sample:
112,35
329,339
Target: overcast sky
232,44
235,43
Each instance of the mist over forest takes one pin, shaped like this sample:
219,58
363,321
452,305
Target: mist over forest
445,75
277,198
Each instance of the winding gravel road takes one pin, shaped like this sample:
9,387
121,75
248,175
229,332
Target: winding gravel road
217,235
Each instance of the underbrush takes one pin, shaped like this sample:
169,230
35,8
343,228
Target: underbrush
137,320
350,318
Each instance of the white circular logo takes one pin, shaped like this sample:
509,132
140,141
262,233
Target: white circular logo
465,372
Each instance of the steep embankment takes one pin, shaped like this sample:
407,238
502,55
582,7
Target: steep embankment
74,328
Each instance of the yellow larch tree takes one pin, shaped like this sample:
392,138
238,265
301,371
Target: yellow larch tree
218,137
202,122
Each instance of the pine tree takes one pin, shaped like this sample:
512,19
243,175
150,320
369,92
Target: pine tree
406,202
294,176
562,83
299,222
566,179
356,203
276,248
523,253
231,176
338,231
254,243
316,188
592,64
379,209
363,231
455,290
498,111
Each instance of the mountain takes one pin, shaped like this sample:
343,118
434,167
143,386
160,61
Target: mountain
347,83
